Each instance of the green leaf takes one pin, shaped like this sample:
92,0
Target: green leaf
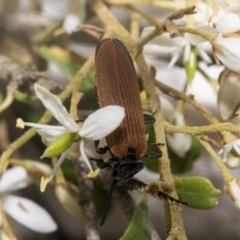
139,227
198,192
178,164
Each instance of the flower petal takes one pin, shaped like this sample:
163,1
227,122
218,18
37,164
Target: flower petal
13,179
202,53
84,156
225,151
163,45
49,135
167,108
228,23
71,22
29,214
180,143
102,122
230,52
55,106
164,39
155,50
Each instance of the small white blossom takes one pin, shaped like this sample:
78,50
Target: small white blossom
97,126
164,46
229,148
23,210
233,191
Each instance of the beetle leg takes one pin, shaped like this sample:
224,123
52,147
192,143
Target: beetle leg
157,153
82,119
148,119
167,197
100,163
108,202
102,150
135,182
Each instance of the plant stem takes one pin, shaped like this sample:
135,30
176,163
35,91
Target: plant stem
225,172
228,137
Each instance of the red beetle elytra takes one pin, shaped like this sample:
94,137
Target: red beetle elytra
116,83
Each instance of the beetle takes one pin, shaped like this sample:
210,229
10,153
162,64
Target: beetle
116,84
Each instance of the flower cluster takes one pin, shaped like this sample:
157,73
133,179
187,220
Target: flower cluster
224,27
225,24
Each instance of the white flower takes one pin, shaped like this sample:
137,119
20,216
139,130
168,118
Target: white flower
180,143
228,94
227,50
229,149
97,126
233,191
164,45
21,209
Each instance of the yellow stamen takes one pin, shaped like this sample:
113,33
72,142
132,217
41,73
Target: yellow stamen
93,174
43,184
20,123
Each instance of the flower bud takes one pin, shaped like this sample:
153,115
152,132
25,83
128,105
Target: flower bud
191,64
180,143
232,161
228,98
68,196
60,145
233,191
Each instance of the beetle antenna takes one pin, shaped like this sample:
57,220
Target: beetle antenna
108,203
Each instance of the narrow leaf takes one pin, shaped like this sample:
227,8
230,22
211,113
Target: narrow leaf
139,227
